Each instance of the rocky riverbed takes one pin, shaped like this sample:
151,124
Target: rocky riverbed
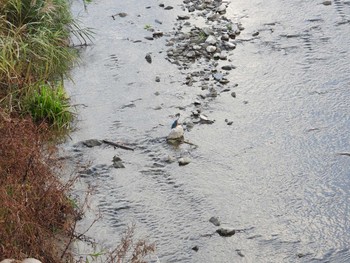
234,191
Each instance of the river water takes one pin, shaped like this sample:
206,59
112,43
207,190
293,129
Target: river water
276,174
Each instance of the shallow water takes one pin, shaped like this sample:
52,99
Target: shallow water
275,173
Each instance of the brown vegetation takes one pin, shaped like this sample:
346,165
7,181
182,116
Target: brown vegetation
34,209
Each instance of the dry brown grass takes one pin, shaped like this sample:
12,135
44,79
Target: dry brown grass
34,208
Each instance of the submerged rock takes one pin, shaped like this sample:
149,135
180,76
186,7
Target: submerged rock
215,221
117,162
92,143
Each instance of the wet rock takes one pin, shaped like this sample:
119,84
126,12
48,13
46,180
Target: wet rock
120,15
215,221
168,7
92,143
211,49
233,94
327,2
226,232
183,17
229,123
176,133
157,34
184,161
148,58
117,162
191,54
225,37
230,45
228,67
218,76
204,119
255,34
195,248
170,159
158,21
197,102
157,79
239,253
221,9
211,40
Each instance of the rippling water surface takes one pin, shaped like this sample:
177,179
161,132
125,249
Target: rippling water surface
275,173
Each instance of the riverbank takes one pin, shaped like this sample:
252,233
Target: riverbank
37,216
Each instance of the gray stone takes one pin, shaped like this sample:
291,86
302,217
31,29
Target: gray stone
230,45
215,221
92,143
157,34
327,2
218,76
157,79
221,9
184,161
211,40
117,162
168,7
148,58
226,232
191,54
182,17
228,67
211,49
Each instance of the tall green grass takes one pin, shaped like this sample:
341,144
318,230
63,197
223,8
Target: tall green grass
49,103
35,45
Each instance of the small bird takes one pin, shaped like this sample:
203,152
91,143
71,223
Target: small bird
177,131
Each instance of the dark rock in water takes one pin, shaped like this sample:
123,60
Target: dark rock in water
230,123
158,21
157,34
149,38
225,232
233,94
117,162
148,58
181,17
157,79
255,34
327,2
228,67
239,253
215,221
195,248
92,143
168,7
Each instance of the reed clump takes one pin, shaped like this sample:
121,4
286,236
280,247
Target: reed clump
35,49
